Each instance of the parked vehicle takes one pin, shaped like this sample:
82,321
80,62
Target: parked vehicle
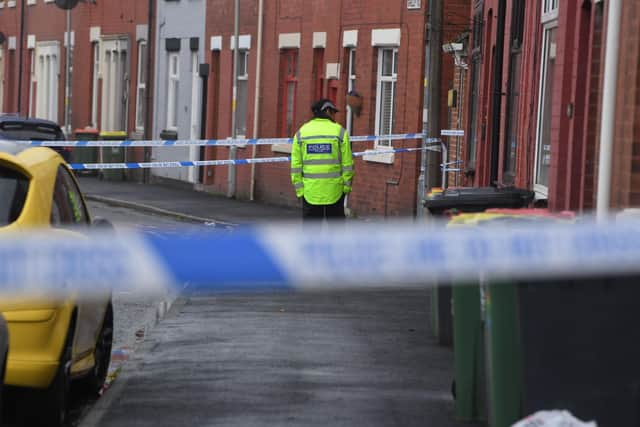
4,352
53,341
17,128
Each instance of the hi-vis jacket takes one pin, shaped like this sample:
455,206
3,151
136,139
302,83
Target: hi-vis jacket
321,162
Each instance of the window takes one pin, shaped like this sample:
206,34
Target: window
47,74
515,65
474,94
351,84
115,80
141,86
289,82
318,74
13,193
242,94
545,103
385,93
67,206
95,72
173,90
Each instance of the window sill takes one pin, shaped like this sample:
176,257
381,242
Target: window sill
281,148
385,158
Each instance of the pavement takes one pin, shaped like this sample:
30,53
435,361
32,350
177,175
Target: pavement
274,359
183,203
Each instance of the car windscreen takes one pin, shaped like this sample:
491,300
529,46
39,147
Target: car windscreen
22,131
13,193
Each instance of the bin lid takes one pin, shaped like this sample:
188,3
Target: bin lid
514,216
86,132
118,134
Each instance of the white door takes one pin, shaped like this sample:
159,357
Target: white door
194,152
47,77
115,84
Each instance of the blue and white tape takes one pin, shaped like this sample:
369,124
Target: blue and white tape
224,162
286,257
209,142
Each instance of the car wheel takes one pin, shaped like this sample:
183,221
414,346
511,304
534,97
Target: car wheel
53,403
94,382
3,367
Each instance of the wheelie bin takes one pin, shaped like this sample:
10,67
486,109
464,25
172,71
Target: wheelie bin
441,203
564,343
113,155
85,154
487,359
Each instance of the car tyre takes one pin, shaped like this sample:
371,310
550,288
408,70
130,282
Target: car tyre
94,382
53,403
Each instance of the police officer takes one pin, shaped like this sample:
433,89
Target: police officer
322,164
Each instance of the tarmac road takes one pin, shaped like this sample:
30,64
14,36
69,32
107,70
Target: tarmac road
338,359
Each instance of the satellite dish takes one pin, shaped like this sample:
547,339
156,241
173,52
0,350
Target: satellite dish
66,4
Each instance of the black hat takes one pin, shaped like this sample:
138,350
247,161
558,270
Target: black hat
323,104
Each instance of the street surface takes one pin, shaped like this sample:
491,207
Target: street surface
335,359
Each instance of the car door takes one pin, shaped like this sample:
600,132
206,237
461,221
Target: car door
69,211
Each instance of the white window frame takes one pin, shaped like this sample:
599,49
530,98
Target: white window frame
1,80
141,86
32,83
94,84
195,96
173,89
47,76
243,79
542,191
380,79
351,85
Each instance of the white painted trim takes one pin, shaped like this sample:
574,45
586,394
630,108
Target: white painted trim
385,37
31,2
333,70
94,34
1,4
289,41
319,40
281,148
386,158
11,3
350,38
12,43
141,32
216,43
245,42
73,38
31,41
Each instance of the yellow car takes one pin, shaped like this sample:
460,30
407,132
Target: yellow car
52,341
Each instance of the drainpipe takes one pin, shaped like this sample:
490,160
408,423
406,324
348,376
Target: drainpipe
431,113
497,93
21,59
231,178
607,134
148,131
256,104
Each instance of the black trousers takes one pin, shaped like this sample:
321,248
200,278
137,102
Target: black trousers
333,212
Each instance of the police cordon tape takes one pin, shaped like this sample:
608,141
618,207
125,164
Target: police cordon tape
288,257
192,163
209,142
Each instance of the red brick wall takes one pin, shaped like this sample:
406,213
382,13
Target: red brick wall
626,162
379,189
48,23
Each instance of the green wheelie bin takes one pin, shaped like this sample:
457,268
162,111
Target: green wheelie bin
85,154
112,155
444,203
